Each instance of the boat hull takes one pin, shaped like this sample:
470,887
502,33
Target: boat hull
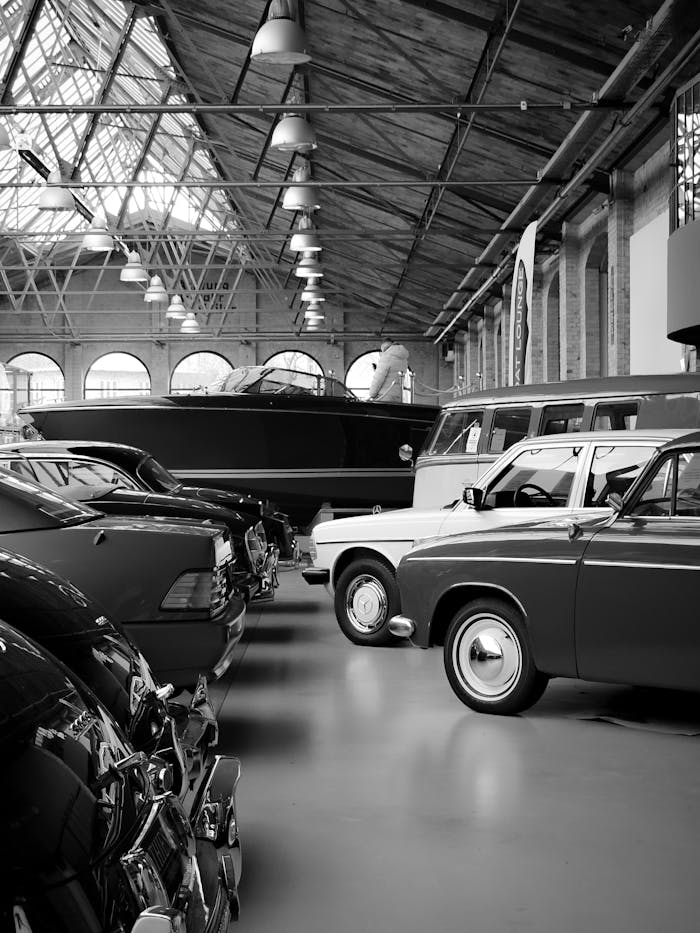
302,452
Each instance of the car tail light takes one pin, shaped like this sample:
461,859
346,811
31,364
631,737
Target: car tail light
191,590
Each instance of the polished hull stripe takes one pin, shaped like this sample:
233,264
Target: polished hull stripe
638,564
293,474
504,560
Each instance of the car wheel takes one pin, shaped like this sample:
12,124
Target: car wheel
366,597
488,659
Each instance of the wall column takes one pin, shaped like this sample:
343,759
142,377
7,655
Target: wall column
620,217
570,311
73,371
537,331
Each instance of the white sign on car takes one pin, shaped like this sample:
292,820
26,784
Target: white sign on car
540,477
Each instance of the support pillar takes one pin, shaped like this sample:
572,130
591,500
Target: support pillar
570,311
619,233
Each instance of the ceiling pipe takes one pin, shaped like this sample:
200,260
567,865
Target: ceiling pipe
648,47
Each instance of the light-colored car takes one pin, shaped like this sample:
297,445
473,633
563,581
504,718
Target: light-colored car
540,477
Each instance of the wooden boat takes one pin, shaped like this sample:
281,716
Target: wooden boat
299,439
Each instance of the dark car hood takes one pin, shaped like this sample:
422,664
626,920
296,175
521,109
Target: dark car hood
227,498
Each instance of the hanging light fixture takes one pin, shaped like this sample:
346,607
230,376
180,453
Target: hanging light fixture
280,40
306,239
54,197
309,267
133,271
293,134
156,290
312,292
190,325
314,325
98,238
315,315
176,309
301,199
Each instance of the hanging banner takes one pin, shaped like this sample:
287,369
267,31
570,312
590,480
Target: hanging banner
520,364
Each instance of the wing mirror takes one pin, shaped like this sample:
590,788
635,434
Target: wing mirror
474,497
406,453
614,500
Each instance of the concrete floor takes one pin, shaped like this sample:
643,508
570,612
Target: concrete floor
372,800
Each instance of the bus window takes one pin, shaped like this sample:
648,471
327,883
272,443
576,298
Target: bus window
562,419
458,433
670,411
616,416
509,426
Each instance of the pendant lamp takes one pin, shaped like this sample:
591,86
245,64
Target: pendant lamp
281,40
156,290
176,309
133,271
306,239
98,238
312,292
309,267
190,325
54,197
301,199
293,134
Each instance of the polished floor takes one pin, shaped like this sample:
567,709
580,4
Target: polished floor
372,800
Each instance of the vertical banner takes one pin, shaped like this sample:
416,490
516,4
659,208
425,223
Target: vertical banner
520,363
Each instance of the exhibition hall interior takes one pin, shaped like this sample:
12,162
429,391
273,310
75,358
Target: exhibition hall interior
349,465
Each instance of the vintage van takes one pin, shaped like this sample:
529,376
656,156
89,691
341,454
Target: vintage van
474,430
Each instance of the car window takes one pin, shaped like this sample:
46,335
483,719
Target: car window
616,416
510,425
458,433
542,476
18,467
656,497
562,419
74,474
613,469
688,485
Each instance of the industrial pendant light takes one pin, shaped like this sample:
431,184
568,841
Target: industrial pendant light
133,271
156,290
301,199
98,238
281,40
306,239
309,267
312,292
313,312
190,325
314,325
54,197
293,134
176,309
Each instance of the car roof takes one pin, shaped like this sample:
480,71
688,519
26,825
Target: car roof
666,435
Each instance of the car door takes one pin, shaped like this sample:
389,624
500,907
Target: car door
636,599
539,482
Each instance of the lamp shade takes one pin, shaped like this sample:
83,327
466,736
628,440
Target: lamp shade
313,292
293,134
190,325
309,267
314,325
156,290
176,309
133,271
54,197
306,239
281,40
301,199
98,238
314,315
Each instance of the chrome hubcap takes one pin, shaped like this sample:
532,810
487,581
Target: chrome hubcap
366,604
486,657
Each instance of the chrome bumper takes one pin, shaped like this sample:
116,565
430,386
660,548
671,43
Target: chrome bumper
402,626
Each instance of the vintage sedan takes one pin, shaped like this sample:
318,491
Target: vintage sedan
130,468
543,476
109,490
168,583
515,606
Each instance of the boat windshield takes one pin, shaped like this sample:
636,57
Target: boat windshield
269,380
156,477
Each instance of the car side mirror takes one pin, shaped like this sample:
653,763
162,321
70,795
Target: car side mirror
614,500
474,497
406,453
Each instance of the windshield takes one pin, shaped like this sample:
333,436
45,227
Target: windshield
156,477
25,504
273,380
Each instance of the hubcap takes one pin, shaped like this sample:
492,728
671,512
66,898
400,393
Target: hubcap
486,657
366,604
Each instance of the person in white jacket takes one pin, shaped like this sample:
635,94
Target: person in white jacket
386,382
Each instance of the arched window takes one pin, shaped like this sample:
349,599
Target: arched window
359,374
295,359
117,374
197,371
45,382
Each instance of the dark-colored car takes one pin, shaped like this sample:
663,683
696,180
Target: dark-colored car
169,584
130,468
87,843
610,600
107,489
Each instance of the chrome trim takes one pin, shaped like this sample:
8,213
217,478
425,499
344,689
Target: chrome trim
402,626
504,560
642,564
281,474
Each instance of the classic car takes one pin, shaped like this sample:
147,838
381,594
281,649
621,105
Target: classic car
129,468
90,842
108,490
298,439
168,583
548,476
515,606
